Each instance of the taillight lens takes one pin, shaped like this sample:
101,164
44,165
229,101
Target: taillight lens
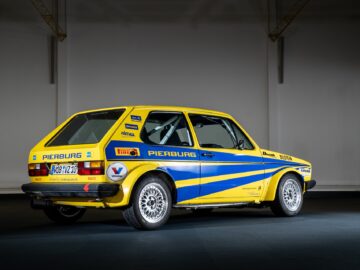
38,169
91,168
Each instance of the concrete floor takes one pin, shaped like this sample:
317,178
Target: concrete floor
326,234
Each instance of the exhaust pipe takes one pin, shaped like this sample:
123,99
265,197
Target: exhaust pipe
40,204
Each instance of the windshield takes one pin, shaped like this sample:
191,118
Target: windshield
87,128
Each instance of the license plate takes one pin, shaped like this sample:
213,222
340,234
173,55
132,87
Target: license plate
63,169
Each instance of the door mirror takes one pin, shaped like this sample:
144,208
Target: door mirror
241,144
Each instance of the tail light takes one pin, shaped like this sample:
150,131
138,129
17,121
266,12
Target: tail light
38,169
91,168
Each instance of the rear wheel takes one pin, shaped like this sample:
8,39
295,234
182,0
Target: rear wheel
150,205
289,197
64,214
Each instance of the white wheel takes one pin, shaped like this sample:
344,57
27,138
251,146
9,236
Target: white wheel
292,194
151,204
289,197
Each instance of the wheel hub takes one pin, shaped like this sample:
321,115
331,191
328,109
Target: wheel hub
292,195
153,202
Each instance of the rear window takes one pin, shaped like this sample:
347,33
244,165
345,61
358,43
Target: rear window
87,128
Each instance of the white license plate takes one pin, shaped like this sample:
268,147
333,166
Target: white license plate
63,169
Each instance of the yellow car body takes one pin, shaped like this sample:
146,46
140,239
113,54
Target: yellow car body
198,175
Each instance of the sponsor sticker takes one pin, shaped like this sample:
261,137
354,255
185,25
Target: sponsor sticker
286,157
304,171
127,134
131,126
126,151
135,118
171,154
116,171
61,156
268,154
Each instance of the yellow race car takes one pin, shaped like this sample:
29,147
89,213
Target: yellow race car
147,160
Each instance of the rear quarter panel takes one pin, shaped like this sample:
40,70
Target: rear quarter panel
127,135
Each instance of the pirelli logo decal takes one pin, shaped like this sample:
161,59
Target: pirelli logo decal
126,151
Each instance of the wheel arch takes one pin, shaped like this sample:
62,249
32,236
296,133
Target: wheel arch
135,180
275,179
161,174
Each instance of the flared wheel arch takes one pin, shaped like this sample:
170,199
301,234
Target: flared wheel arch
274,183
162,175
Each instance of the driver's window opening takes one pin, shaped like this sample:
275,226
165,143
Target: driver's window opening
217,132
163,128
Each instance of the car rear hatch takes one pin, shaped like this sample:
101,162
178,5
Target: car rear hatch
74,152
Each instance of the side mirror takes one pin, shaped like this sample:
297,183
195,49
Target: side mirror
241,144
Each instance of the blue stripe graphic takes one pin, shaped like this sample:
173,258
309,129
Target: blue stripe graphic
185,172
193,170
182,172
191,192
215,170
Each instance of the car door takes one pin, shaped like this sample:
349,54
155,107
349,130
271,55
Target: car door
168,141
231,165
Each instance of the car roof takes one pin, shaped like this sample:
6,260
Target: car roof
165,107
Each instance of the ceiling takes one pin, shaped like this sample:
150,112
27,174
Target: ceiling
178,11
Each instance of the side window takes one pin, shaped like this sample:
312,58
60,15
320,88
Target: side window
166,128
217,132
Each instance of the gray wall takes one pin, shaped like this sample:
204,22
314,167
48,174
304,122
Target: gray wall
229,66
208,66
318,105
27,102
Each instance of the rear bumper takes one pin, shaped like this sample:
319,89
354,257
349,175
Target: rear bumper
71,190
310,184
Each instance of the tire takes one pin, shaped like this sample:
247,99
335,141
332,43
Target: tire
150,204
289,197
63,214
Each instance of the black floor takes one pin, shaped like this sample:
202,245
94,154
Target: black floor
325,236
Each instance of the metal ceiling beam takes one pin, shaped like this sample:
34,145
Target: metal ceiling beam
285,21
50,19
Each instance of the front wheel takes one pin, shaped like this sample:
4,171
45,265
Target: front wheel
150,205
64,214
289,197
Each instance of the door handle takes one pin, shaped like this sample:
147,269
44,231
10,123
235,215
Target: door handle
207,154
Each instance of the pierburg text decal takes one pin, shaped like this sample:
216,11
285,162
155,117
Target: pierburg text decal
61,156
171,154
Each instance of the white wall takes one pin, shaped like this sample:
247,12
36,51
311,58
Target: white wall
318,105
27,102
218,66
